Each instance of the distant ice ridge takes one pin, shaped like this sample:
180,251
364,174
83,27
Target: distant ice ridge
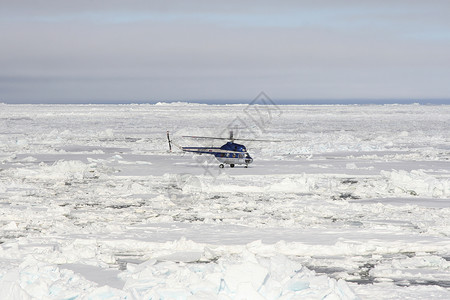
241,276
395,183
179,103
416,182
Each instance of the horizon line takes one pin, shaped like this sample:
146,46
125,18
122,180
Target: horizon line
230,102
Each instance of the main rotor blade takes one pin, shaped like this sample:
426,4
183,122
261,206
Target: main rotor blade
204,137
228,139
253,140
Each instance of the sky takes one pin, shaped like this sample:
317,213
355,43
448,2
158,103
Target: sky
108,51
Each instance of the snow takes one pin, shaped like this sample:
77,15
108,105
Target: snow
353,204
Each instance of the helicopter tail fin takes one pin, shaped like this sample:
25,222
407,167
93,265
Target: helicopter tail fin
170,142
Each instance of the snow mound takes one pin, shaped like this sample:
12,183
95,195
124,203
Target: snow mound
34,279
243,276
60,170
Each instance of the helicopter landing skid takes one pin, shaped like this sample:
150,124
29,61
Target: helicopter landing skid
231,166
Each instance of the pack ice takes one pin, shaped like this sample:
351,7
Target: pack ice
352,204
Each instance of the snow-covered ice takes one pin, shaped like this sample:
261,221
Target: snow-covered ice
353,204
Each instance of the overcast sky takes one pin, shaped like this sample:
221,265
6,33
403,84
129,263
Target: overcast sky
133,51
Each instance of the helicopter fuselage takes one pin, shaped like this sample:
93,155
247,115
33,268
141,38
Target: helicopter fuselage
230,153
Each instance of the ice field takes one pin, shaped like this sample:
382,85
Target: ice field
354,203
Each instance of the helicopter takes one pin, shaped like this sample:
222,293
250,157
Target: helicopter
230,153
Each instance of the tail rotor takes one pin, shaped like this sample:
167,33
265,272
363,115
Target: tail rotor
170,142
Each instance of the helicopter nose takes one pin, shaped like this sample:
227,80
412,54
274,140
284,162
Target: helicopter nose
248,160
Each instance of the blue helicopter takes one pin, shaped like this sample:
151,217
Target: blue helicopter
229,153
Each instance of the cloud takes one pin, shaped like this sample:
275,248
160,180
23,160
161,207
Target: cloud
114,50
